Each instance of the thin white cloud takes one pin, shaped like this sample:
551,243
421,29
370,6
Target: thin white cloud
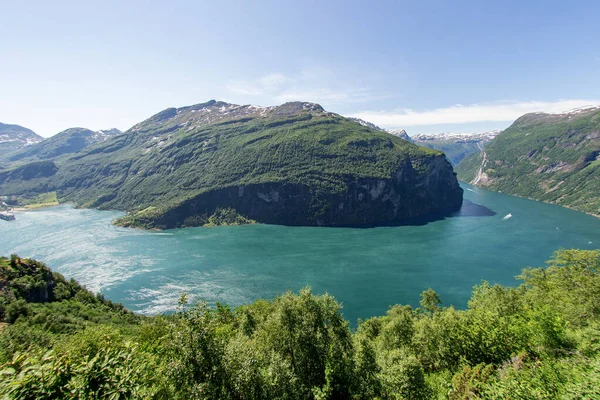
328,95
263,85
460,114
316,85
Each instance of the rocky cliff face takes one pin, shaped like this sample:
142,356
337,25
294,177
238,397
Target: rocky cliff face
408,194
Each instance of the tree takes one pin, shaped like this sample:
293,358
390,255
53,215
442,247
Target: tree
430,301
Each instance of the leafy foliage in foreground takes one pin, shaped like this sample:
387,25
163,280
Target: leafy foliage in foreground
540,340
551,158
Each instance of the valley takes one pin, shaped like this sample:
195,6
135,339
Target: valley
545,157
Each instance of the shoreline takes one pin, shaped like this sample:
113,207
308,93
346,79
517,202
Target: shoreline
529,198
34,207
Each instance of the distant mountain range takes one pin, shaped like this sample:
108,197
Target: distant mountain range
456,146
548,157
184,166
66,142
221,163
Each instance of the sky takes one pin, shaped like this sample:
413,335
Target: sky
424,66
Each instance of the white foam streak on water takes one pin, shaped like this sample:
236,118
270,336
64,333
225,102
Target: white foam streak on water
198,285
97,266
160,300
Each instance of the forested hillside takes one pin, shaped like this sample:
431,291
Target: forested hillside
540,340
293,164
548,157
66,142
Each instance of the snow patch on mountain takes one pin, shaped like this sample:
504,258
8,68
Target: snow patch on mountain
17,136
575,111
366,123
458,137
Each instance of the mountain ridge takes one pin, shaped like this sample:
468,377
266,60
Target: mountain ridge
68,141
294,164
16,136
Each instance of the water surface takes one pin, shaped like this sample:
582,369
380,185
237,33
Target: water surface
366,269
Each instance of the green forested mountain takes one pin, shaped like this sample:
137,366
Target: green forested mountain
291,164
66,142
548,157
540,340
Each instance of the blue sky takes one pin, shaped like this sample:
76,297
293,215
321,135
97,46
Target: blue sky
426,66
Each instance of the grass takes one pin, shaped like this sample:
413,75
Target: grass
42,200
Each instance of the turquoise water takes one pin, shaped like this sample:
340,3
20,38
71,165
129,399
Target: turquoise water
366,269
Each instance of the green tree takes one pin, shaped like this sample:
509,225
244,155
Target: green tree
430,301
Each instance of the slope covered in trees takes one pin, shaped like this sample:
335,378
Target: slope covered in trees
294,164
548,157
63,143
537,341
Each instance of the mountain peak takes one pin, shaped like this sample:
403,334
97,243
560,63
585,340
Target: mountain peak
15,137
366,123
295,107
401,133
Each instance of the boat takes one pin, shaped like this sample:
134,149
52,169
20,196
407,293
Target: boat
7,216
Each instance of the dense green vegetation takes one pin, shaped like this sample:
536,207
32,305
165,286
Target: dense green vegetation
540,340
552,158
63,143
185,163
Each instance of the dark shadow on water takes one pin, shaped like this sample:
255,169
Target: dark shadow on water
468,209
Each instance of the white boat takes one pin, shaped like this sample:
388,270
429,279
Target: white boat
7,216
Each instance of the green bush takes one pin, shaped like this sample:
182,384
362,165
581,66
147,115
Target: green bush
537,341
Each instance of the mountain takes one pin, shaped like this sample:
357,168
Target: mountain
548,157
13,137
293,164
66,142
401,133
456,146
367,124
